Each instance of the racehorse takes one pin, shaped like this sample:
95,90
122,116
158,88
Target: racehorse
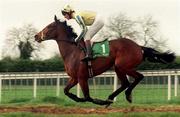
125,55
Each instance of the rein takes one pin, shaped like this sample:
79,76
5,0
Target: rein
66,40
78,44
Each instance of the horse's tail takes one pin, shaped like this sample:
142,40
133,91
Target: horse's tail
153,55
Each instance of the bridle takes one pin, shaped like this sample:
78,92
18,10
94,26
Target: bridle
42,36
65,40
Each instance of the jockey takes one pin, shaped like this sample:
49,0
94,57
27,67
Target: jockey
84,19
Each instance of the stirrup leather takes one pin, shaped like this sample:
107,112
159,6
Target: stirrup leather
88,51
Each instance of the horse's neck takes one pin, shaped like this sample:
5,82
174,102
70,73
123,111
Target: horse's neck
67,50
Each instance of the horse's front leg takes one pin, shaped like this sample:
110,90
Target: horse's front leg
71,83
83,82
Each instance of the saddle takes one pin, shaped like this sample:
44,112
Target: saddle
99,49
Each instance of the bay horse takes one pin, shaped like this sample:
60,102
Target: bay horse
125,56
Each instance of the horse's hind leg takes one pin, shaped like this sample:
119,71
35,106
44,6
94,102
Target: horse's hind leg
71,83
124,84
138,77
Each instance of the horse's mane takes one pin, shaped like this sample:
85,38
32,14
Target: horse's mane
70,33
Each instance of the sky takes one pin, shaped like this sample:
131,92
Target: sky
15,13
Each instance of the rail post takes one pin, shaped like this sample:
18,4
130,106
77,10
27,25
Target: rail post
78,90
57,87
115,85
34,87
175,85
0,89
169,87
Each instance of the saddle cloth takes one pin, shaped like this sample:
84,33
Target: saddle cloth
100,49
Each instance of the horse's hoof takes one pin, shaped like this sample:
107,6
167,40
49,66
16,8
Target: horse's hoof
102,102
129,98
107,105
109,101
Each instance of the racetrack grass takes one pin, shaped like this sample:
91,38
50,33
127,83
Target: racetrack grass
143,94
68,104
136,114
150,96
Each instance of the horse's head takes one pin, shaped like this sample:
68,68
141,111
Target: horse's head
57,30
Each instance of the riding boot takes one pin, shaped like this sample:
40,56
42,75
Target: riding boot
88,51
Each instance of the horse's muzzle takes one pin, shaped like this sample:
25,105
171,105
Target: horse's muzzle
37,38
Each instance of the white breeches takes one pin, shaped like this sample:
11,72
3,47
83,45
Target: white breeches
94,28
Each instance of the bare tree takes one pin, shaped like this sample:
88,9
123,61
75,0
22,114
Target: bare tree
119,26
149,33
144,30
20,42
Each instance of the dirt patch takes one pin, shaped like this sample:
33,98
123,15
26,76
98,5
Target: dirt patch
77,110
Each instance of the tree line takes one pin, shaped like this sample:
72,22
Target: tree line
56,64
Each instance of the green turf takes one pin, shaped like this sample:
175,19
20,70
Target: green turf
67,103
142,94
134,114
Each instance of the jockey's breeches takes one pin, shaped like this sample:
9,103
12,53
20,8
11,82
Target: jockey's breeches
94,28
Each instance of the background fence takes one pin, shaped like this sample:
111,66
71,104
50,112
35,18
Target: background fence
157,86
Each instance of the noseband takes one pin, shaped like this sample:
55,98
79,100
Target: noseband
42,36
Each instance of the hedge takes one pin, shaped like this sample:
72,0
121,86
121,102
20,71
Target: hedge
20,65
56,64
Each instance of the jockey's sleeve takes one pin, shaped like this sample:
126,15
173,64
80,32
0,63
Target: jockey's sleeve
80,21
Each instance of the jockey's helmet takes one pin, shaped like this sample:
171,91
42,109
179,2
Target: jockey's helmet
67,9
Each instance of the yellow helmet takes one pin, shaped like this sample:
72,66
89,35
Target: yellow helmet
67,8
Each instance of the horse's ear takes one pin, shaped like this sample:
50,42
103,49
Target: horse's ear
55,18
65,23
